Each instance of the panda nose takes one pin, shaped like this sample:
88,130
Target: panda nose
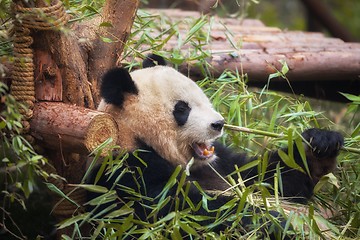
218,125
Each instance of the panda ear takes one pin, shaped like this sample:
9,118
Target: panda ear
153,60
115,83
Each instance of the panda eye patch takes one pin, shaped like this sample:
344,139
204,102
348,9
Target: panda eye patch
181,112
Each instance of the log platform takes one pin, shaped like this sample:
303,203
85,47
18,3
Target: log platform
319,66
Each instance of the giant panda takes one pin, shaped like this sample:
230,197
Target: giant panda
168,117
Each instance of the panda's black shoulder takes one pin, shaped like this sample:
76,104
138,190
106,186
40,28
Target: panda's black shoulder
143,163
155,164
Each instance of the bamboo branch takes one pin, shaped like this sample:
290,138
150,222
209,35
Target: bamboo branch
277,135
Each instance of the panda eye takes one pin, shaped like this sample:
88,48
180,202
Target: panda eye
181,106
181,112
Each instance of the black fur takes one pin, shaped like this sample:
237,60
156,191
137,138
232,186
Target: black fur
181,112
155,175
153,60
115,83
323,145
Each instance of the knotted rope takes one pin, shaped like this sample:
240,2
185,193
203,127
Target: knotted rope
44,18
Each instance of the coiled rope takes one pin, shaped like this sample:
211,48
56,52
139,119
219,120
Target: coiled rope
25,19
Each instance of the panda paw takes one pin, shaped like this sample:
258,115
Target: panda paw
323,143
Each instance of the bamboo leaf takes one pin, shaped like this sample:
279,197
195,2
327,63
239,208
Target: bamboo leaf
106,39
284,68
96,233
290,143
195,29
175,235
328,178
91,188
290,162
124,210
71,221
187,228
107,197
106,24
300,147
351,97
56,190
171,182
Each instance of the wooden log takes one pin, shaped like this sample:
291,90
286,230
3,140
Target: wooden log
310,56
69,128
304,66
221,43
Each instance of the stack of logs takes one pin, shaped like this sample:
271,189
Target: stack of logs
250,46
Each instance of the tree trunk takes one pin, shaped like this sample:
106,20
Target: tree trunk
118,16
64,55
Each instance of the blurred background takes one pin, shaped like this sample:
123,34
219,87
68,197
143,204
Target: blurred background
336,18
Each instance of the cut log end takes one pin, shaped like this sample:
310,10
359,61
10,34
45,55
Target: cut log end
101,128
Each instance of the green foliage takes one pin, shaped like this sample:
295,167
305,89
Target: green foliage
19,161
4,9
82,9
20,166
5,23
113,222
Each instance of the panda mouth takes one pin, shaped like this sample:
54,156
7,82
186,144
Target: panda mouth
203,151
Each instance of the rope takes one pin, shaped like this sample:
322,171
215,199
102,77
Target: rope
45,18
22,86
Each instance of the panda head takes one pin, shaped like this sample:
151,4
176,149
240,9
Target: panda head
165,110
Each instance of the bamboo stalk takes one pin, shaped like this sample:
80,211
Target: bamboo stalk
277,135
254,131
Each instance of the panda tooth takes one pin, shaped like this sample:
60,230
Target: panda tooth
212,149
206,152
